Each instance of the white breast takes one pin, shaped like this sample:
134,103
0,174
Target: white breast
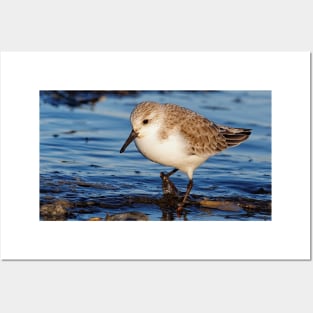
171,151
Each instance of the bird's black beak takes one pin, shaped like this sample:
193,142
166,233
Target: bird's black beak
130,138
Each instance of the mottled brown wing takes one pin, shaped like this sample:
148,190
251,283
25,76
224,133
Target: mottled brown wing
203,137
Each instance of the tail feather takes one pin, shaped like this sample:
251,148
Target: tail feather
234,136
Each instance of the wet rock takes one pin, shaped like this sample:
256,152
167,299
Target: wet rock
220,205
55,211
128,216
84,184
95,219
261,191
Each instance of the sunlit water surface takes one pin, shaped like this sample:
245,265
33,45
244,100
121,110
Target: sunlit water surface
80,160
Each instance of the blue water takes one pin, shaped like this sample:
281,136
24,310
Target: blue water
80,160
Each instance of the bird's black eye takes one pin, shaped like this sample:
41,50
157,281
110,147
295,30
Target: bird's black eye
145,121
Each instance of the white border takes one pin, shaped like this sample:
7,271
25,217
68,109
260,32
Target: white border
23,74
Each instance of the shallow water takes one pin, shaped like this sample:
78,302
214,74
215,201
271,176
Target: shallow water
81,134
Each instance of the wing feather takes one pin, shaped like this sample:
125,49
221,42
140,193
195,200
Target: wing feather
202,135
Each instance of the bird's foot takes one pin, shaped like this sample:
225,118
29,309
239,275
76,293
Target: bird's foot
180,211
168,186
180,207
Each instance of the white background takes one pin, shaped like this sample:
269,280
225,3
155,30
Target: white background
239,286
25,237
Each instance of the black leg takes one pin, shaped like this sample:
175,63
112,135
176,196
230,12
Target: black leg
171,172
189,187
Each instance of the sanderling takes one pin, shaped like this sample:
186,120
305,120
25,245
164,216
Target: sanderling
174,136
